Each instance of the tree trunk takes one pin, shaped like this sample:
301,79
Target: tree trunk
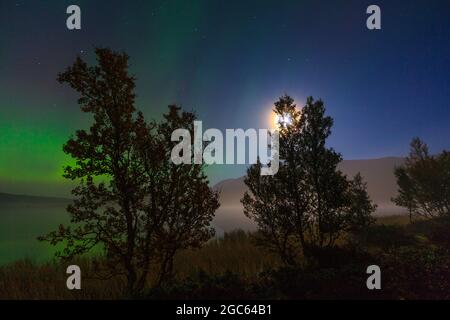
131,281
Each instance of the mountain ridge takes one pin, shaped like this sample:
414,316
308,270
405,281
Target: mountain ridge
377,173
10,197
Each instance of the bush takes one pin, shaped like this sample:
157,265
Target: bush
417,273
204,286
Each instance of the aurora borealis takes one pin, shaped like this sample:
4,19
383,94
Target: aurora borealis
228,61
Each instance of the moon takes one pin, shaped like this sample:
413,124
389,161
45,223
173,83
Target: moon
282,120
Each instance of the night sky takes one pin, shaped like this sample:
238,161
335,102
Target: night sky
228,61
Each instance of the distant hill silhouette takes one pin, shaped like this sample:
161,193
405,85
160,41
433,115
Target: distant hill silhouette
377,173
6,198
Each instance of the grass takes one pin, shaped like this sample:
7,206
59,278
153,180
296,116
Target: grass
234,267
27,280
400,220
234,253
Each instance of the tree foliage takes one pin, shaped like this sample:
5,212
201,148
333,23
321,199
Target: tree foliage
309,203
424,182
131,201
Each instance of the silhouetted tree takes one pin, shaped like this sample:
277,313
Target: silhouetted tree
309,203
405,197
132,201
424,182
179,199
